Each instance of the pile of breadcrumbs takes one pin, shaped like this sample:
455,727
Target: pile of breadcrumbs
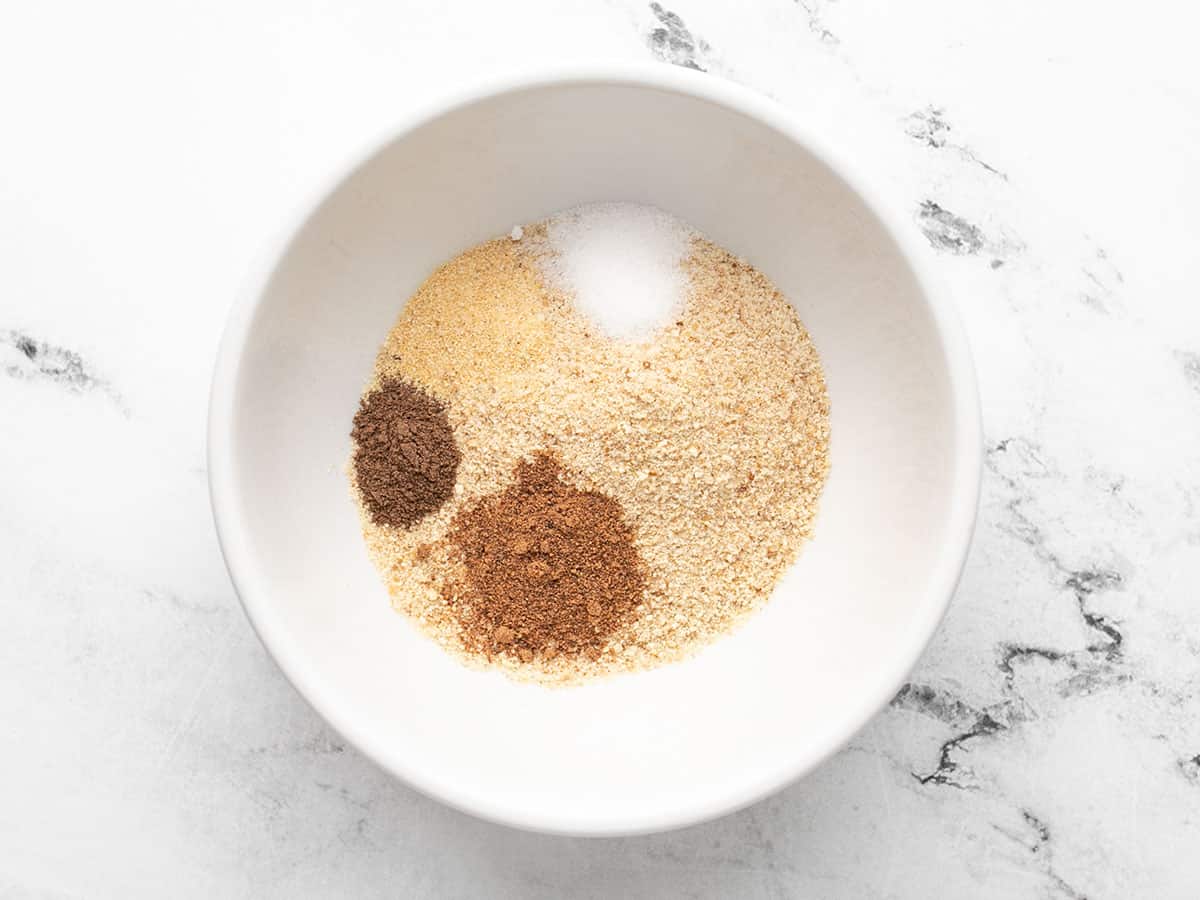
709,436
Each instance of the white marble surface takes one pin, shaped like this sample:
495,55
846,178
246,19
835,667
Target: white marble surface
1049,742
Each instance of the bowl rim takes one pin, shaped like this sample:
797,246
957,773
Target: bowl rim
253,589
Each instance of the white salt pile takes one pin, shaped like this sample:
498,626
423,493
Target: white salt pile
621,263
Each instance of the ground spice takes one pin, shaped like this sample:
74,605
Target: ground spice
480,322
405,457
549,569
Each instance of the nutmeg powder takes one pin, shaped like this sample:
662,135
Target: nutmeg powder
405,458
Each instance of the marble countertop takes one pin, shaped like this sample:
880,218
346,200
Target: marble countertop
1048,744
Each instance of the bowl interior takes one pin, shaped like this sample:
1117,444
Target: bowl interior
636,752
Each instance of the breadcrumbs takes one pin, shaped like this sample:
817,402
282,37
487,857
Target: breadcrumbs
713,437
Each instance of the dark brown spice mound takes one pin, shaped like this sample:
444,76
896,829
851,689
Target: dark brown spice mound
550,569
405,458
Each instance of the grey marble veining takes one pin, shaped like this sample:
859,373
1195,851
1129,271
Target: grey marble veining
1047,745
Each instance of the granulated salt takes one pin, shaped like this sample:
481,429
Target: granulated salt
620,265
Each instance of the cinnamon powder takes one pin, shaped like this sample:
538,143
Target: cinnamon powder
550,569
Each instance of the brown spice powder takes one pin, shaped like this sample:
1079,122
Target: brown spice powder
550,569
405,458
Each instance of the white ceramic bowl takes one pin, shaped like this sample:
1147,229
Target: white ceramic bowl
760,707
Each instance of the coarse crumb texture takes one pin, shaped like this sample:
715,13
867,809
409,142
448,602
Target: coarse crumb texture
713,437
